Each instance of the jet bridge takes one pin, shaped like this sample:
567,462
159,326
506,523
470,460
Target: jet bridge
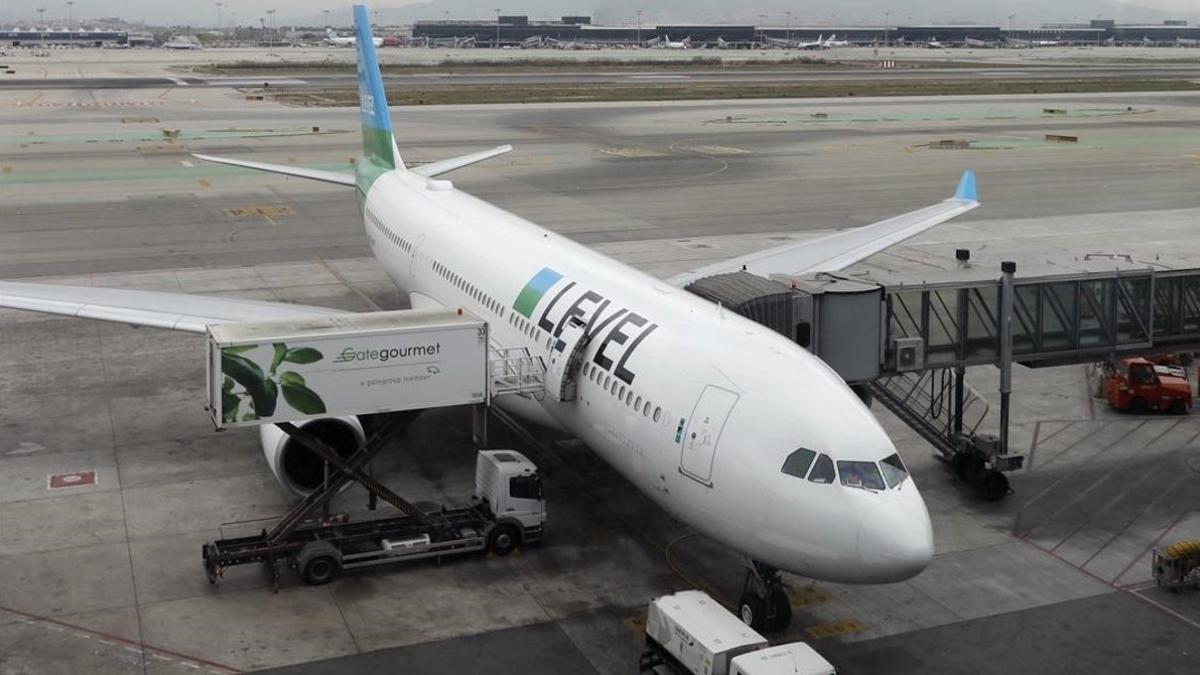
908,345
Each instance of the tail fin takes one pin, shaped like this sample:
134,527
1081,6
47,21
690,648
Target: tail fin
378,144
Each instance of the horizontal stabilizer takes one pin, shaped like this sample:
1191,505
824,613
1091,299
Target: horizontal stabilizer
438,168
294,171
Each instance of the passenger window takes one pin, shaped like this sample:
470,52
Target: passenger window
646,409
637,405
657,413
798,462
861,475
622,394
823,470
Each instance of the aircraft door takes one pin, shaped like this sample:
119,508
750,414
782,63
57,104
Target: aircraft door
563,367
416,253
704,432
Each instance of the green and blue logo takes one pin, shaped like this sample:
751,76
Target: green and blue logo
529,297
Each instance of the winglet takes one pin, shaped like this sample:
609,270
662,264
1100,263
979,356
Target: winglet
966,187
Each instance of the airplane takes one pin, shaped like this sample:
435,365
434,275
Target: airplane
667,44
734,429
819,43
979,44
834,42
1020,43
934,44
182,43
333,39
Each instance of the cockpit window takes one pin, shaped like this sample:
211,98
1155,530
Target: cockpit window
798,462
893,470
823,470
860,475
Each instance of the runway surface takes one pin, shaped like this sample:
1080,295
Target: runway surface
97,188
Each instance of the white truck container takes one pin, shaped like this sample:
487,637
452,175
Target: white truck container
795,658
345,364
690,631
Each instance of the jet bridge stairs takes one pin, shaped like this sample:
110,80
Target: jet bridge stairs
908,346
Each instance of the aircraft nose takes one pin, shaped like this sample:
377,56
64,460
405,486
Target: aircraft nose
895,540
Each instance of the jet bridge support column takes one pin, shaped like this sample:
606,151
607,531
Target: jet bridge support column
1008,268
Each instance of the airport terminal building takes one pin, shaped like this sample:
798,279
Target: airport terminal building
517,29
21,37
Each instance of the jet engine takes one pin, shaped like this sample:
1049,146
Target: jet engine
298,469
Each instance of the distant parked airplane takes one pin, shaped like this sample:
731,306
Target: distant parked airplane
332,38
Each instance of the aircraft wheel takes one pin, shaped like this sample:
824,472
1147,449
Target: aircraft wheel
993,486
781,616
753,611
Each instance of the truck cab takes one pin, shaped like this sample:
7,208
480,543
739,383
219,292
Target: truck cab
509,488
1138,385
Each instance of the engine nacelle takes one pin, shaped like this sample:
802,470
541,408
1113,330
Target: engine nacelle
299,470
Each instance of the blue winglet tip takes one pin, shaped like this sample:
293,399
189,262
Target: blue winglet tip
966,187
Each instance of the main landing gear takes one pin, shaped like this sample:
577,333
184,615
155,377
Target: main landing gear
764,606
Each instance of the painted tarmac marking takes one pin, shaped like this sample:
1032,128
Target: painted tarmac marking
116,641
57,481
833,629
807,595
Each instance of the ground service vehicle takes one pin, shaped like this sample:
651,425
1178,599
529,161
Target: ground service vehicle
1177,565
690,632
1137,385
507,509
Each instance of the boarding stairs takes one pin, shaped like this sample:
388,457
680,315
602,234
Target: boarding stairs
513,370
930,404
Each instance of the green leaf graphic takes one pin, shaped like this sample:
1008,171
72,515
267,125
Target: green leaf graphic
229,407
265,406
303,355
303,399
227,385
241,369
280,351
291,377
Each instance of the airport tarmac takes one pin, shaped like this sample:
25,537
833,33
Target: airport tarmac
106,578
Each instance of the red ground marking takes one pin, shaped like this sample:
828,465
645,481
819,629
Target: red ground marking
77,479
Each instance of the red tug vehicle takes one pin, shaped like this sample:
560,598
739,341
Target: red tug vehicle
1139,385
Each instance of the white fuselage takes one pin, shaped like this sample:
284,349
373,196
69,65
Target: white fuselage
696,406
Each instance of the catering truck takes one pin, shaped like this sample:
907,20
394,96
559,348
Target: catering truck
345,364
689,632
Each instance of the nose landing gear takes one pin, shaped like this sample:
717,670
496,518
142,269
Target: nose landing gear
764,606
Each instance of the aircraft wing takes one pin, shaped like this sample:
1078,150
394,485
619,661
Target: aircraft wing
173,311
842,249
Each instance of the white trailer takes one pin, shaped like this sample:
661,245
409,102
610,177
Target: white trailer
690,632
345,364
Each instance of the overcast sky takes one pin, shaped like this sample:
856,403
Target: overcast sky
204,12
